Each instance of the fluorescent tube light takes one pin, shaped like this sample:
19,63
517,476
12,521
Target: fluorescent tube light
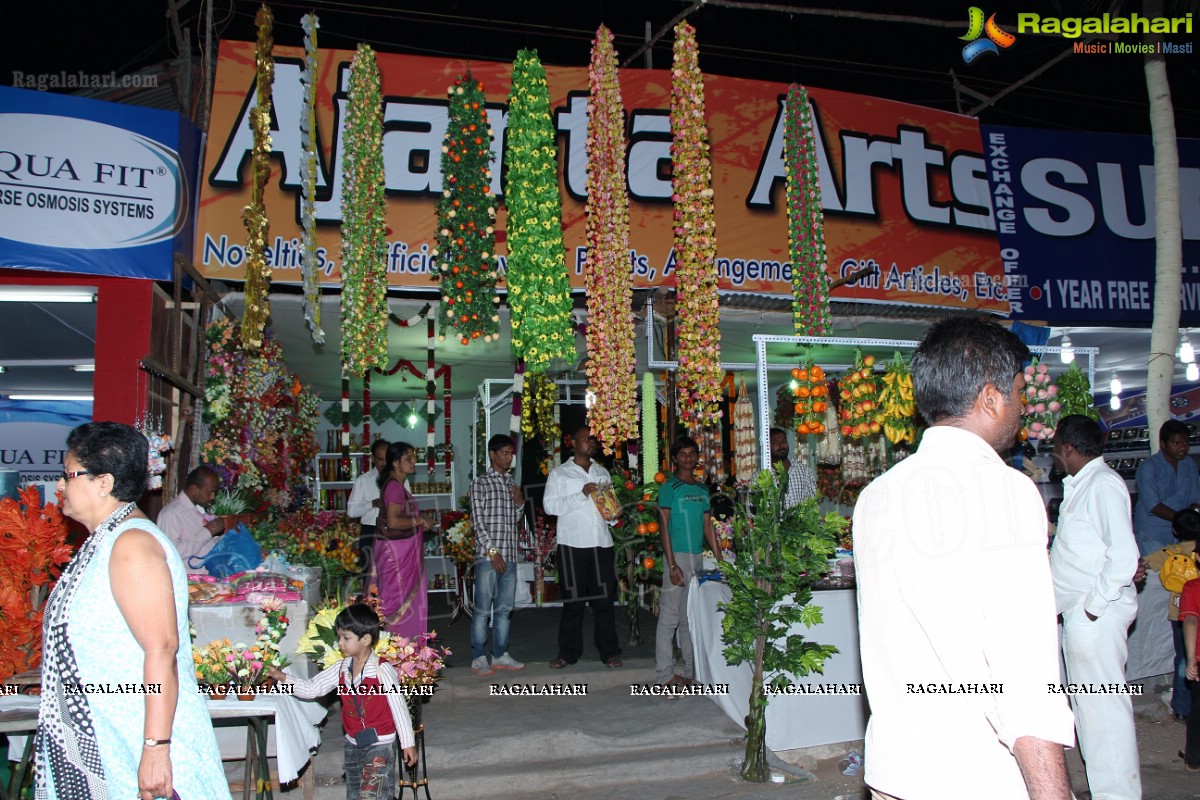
82,398
45,294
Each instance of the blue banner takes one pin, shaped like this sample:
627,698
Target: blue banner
1075,220
93,187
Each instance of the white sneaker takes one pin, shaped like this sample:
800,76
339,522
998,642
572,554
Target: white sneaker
507,662
480,666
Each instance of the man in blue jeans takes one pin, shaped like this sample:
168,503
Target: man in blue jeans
496,507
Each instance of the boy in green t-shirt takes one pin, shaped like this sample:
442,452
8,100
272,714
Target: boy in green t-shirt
686,524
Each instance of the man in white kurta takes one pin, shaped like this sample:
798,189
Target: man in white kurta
955,604
1093,560
364,502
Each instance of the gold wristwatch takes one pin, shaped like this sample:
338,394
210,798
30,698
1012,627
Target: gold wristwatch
493,552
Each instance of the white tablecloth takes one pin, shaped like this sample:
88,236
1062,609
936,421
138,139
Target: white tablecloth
1151,651
236,621
289,738
793,721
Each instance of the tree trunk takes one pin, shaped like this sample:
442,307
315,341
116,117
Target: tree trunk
1168,250
755,768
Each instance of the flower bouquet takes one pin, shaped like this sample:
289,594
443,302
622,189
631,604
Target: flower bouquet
212,671
247,667
539,546
270,631
458,541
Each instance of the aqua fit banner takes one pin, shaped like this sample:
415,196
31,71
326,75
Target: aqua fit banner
94,187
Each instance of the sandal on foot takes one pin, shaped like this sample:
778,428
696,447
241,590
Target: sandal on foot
559,663
614,662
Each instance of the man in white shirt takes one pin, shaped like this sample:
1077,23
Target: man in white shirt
364,502
587,572
955,603
183,519
1093,560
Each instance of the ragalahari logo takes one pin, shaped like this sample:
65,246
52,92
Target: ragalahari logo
976,27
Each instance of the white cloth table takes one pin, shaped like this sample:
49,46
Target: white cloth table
1151,649
290,738
236,621
793,721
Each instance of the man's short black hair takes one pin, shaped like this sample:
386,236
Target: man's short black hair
683,443
360,619
378,443
499,442
199,475
1082,433
1186,525
774,431
1172,428
957,358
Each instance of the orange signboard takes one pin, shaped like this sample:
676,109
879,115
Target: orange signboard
904,188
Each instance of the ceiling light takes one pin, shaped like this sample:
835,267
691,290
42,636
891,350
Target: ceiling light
3,369
83,398
1114,386
1115,402
1068,352
83,368
46,294
1193,372
413,419
1186,353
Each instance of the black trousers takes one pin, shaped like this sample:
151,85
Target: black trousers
1191,750
587,576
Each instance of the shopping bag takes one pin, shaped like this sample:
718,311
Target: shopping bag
236,551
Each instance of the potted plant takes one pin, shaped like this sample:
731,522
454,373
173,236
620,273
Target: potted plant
212,671
781,551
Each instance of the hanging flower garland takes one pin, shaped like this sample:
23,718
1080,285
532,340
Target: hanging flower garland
254,216
806,221
649,429
308,182
699,316
466,240
611,360
364,235
1041,405
539,290
745,438
537,421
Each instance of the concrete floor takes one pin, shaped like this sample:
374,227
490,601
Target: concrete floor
611,745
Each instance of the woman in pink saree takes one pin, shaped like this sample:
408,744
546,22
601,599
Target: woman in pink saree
399,549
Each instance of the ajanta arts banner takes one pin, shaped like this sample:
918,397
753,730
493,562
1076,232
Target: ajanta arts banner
904,187
1075,216
94,187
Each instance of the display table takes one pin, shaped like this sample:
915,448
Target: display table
1151,651
793,721
236,621
285,725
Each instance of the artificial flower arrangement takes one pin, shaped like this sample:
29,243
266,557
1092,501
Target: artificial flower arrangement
221,663
156,462
1041,406
638,545
806,220
33,549
309,538
262,421
458,538
417,662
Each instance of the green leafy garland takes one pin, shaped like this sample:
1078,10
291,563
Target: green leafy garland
537,416
1075,393
254,217
698,318
806,225
364,236
611,360
466,240
539,289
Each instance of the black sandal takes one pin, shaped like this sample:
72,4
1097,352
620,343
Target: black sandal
559,663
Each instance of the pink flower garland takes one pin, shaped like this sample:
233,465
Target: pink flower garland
806,221
698,309
611,361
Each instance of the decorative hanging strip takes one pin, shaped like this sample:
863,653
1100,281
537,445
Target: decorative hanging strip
258,274
430,368
413,320
611,362
649,429
806,220
309,271
698,309
366,434
364,236
745,437
345,443
448,449
518,407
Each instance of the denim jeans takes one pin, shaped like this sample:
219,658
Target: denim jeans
371,771
494,597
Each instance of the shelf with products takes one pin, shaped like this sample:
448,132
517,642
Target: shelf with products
335,479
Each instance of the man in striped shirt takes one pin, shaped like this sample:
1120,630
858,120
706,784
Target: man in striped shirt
496,507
